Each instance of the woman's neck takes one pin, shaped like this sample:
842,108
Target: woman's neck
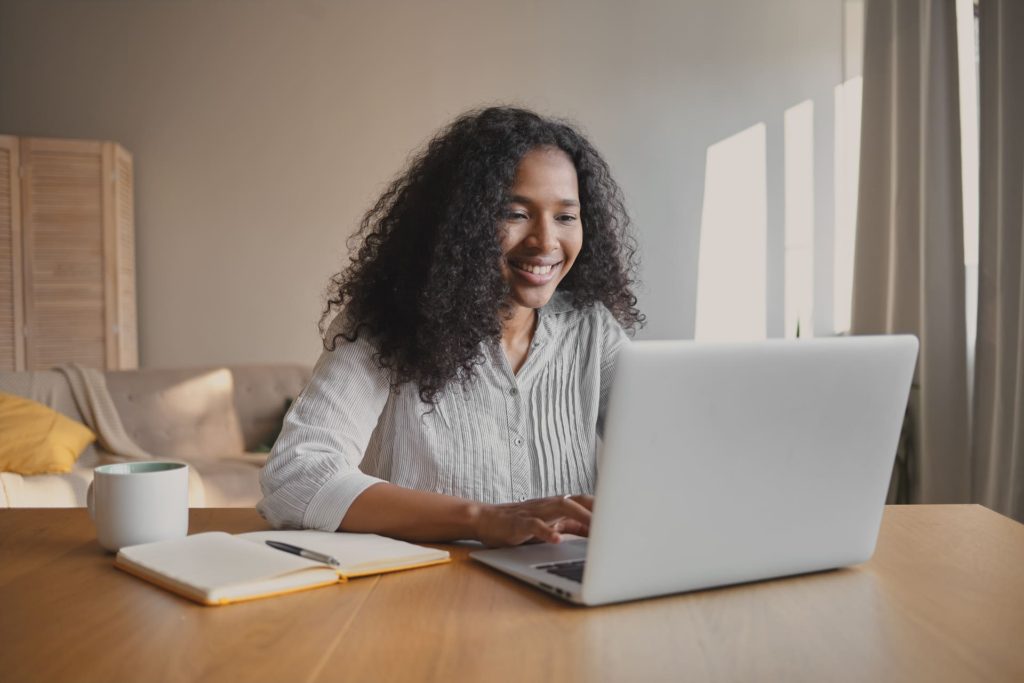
516,335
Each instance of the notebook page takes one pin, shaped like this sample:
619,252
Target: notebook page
214,560
357,553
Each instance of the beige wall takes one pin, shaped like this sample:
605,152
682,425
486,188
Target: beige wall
262,130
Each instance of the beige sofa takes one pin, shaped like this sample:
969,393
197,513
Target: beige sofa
211,418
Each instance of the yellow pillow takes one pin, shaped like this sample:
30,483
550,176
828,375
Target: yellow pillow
35,439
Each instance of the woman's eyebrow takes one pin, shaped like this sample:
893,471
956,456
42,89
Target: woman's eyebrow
520,199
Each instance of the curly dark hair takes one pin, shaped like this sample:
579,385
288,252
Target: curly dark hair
426,283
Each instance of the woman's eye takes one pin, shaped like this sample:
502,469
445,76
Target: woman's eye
567,218
515,215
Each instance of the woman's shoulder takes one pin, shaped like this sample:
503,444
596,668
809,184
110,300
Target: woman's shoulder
348,344
344,331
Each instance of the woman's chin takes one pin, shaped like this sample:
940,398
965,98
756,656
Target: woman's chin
534,297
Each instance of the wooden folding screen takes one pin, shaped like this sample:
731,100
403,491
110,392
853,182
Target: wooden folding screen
12,340
77,279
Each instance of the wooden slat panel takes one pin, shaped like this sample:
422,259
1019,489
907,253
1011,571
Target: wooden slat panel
12,342
62,146
62,203
110,342
124,209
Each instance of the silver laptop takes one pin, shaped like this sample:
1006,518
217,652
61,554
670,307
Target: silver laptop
728,463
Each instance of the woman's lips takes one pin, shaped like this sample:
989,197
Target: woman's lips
536,274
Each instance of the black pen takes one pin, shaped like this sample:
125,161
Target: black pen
302,552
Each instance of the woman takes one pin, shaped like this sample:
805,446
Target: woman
467,366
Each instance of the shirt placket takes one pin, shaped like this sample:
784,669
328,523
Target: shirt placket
520,461
519,456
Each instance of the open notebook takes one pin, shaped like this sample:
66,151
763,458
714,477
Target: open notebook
217,568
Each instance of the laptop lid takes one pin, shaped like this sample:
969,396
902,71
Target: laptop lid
726,463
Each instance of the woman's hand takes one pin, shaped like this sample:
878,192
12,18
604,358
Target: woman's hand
540,519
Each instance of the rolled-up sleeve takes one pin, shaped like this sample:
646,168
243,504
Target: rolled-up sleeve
312,475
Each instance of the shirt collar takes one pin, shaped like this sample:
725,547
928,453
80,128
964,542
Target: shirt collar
560,302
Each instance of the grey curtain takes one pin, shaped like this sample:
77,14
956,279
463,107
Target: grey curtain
998,446
908,263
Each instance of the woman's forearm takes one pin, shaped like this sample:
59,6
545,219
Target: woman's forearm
422,516
413,515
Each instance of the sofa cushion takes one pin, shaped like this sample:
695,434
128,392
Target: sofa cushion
179,427
69,490
213,482
50,490
46,490
178,413
43,386
204,412
38,439
230,482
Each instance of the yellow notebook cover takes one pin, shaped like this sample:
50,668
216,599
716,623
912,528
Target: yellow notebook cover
217,568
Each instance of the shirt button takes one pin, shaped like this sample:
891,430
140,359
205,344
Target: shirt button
513,391
518,441
535,344
523,499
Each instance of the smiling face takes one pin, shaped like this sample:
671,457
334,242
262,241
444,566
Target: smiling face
542,232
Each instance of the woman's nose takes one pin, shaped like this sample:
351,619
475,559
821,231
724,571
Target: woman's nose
544,233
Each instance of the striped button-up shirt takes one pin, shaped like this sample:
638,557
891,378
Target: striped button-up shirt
503,437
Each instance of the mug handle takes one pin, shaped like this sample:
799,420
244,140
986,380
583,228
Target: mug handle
90,502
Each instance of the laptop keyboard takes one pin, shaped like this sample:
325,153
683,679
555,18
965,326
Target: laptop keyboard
572,570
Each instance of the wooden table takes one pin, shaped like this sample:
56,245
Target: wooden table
942,600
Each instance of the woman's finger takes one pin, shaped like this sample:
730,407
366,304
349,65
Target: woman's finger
541,519
568,507
543,531
584,500
571,526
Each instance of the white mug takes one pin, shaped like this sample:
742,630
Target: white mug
139,502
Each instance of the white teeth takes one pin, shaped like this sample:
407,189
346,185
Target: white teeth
536,270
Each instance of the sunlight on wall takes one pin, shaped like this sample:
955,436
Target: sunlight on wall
734,249
732,271
967,62
847,98
798,125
